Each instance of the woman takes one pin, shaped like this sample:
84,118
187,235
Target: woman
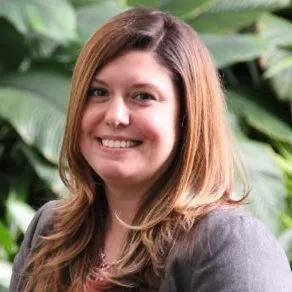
148,158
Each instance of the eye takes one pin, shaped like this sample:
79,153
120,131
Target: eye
97,92
143,96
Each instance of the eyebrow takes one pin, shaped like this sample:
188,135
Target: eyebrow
134,86
99,81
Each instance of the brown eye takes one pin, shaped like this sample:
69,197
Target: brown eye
97,92
143,96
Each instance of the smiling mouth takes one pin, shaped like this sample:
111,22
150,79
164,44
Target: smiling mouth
119,143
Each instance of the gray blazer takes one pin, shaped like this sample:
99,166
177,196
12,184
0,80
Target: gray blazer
230,251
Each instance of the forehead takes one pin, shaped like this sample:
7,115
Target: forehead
135,66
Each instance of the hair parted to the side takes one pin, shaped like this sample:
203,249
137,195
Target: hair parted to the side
199,179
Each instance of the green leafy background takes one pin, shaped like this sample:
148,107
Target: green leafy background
251,42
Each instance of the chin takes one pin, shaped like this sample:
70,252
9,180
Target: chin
114,175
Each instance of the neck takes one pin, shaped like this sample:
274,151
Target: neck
123,203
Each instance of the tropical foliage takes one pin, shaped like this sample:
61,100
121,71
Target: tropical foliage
251,41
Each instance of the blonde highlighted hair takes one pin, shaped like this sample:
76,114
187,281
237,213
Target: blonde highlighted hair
200,177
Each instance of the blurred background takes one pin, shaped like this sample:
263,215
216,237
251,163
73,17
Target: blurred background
251,42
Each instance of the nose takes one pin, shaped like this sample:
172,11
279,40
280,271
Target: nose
117,113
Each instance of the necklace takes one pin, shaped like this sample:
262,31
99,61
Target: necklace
95,279
103,263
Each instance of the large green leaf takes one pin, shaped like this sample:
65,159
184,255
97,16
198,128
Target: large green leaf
78,3
3,288
48,173
267,197
280,72
39,122
6,240
234,48
234,123
224,22
227,5
13,49
13,11
54,19
183,8
187,8
148,3
50,85
91,17
228,16
280,62
286,151
276,30
20,212
277,60
258,116
5,275
286,241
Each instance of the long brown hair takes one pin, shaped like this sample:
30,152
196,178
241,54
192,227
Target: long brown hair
199,179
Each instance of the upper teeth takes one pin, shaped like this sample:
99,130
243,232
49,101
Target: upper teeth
117,143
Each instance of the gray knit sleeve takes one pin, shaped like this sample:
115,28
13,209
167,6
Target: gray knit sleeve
229,251
39,225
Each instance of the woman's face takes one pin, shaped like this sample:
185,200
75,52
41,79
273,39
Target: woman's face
129,124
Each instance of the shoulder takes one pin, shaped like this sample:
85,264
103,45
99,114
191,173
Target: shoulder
40,224
234,230
230,250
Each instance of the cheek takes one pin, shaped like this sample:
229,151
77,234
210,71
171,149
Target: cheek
159,129
86,128
84,146
90,120
86,120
